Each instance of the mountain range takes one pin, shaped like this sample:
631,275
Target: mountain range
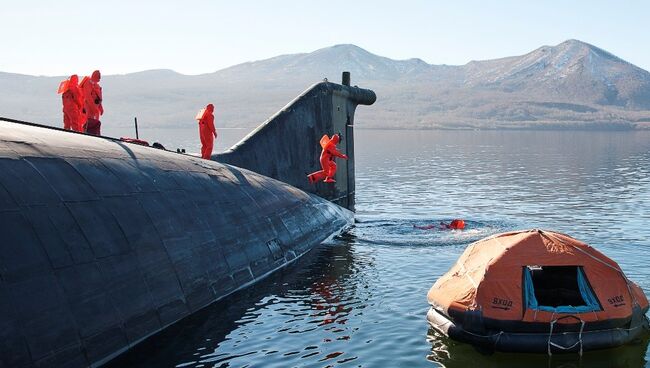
570,85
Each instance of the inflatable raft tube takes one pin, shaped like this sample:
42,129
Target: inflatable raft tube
569,338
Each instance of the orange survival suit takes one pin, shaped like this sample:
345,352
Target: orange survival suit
327,160
207,132
92,93
456,224
73,117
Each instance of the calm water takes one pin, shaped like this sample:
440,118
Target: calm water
360,301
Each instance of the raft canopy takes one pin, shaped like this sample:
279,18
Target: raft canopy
536,276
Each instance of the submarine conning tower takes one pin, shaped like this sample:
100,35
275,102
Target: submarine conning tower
104,243
286,148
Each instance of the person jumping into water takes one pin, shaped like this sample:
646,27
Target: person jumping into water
327,163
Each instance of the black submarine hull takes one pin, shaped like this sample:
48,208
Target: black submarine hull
105,243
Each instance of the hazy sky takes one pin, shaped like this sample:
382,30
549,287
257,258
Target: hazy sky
192,37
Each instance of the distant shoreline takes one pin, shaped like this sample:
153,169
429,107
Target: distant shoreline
539,127
544,127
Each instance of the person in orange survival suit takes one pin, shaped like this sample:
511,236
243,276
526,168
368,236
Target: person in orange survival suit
455,224
72,104
92,93
327,160
207,131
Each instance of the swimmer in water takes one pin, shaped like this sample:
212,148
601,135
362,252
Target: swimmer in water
455,224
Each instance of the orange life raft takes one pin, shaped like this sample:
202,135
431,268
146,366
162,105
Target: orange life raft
537,291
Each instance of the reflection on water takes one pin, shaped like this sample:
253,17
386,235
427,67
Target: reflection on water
361,300
310,302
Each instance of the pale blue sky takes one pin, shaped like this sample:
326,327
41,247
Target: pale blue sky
193,36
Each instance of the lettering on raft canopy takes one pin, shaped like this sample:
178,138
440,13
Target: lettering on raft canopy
499,303
617,301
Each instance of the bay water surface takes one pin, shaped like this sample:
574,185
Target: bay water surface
360,300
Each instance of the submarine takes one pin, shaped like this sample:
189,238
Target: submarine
105,243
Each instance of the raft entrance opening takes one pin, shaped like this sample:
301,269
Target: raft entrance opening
559,289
